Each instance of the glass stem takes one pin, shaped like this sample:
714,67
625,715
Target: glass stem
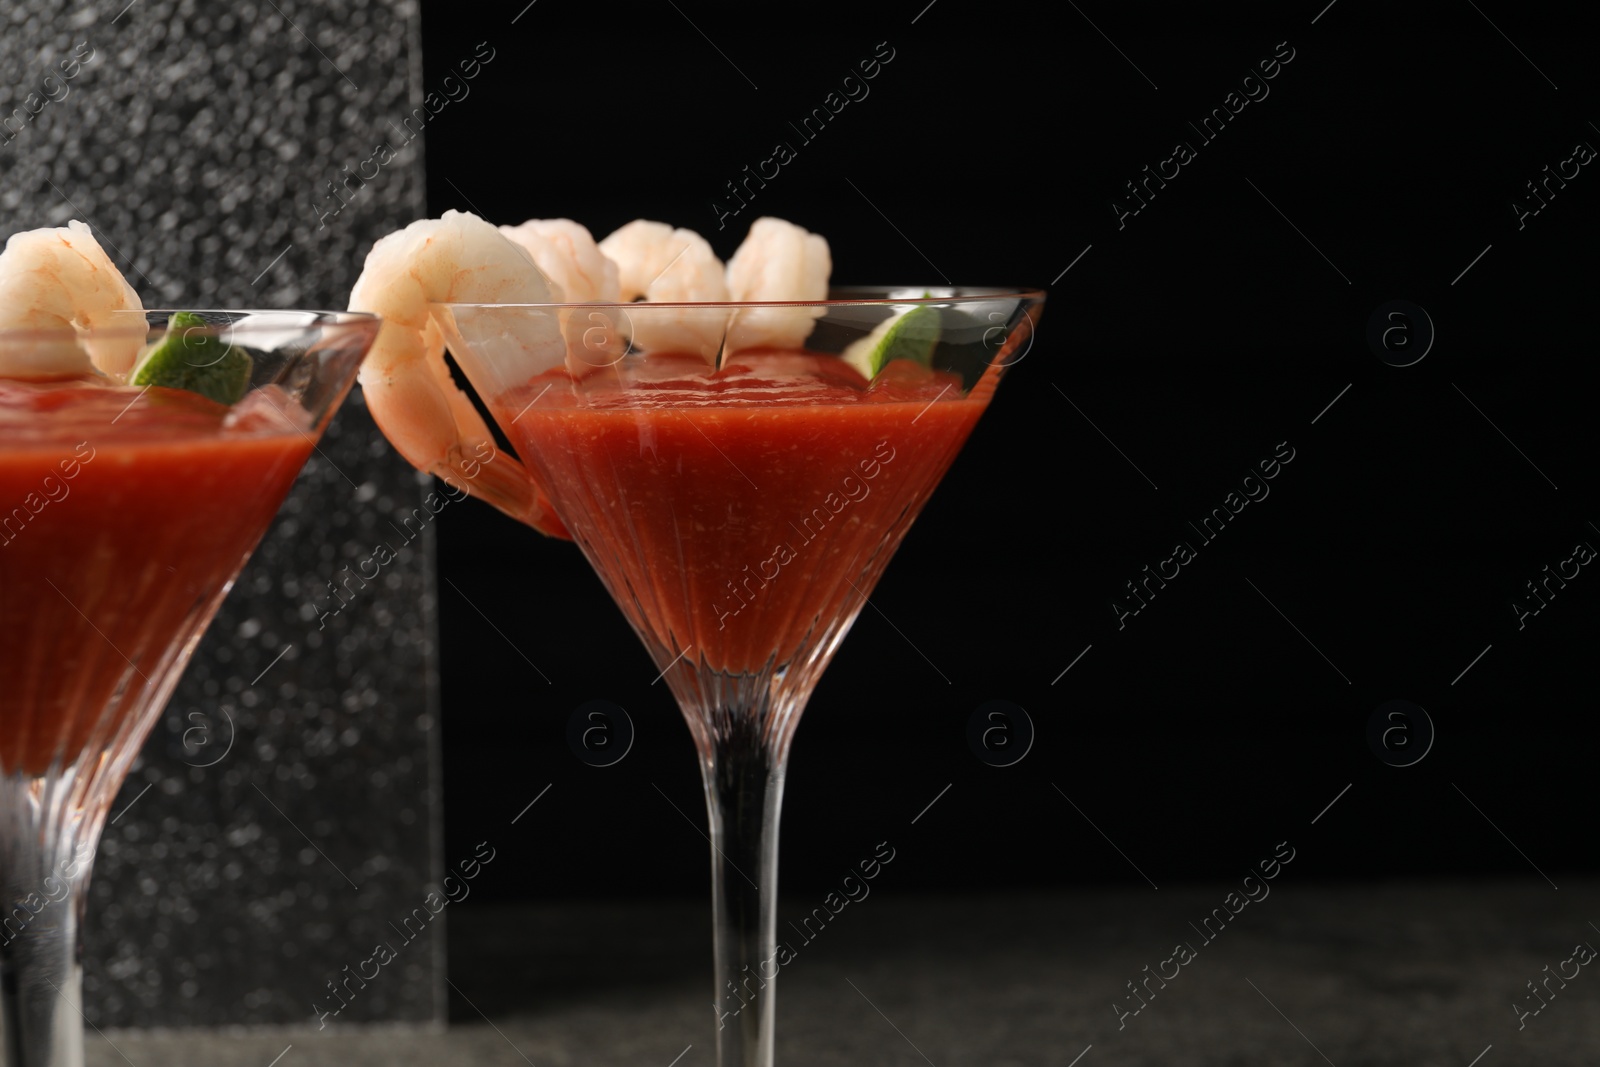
744,794
44,871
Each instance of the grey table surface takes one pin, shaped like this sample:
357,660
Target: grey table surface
1413,973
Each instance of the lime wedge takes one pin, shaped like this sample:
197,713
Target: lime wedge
191,356
911,335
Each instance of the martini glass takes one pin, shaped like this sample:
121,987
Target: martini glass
739,484
127,514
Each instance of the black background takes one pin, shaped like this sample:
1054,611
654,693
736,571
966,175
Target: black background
1197,337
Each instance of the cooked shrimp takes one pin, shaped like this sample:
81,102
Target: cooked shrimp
777,261
419,408
567,254
661,264
60,276
581,274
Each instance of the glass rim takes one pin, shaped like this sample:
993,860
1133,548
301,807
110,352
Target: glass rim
318,318
961,294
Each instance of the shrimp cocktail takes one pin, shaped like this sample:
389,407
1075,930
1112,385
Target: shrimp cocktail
737,450
142,455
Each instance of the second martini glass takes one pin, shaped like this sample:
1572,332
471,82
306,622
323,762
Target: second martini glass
128,513
740,506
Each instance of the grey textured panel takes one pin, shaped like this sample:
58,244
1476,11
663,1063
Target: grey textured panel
283,819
